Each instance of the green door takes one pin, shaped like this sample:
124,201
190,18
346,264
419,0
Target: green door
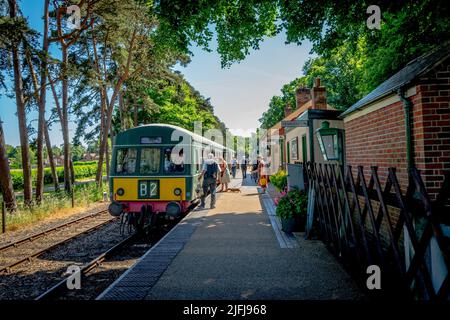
304,153
288,152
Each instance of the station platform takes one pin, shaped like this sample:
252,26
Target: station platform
235,251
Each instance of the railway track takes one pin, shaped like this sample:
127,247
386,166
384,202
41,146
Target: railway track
61,287
23,250
88,274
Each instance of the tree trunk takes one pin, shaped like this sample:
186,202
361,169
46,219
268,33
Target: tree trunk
110,108
65,121
104,106
6,186
41,120
72,172
107,159
51,158
21,114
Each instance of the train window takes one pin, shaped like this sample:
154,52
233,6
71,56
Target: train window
126,160
150,160
172,165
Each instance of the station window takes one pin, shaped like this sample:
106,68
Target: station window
150,159
172,165
126,160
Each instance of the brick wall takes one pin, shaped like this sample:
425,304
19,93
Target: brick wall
378,138
432,126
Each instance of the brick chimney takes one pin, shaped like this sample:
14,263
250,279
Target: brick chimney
318,95
302,96
287,109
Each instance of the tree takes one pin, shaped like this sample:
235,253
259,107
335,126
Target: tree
42,101
277,104
6,186
17,41
66,40
77,152
51,157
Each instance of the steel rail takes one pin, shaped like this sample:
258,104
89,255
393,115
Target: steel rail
47,231
61,286
40,252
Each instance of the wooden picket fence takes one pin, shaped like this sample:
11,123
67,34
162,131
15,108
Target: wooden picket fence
366,224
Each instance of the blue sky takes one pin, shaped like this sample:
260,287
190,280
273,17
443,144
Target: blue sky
239,94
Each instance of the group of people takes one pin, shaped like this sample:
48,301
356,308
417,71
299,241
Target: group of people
217,172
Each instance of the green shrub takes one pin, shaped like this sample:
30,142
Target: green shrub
81,172
279,180
292,204
53,203
84,163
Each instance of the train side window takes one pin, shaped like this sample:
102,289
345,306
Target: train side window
170,165
126,160
150,160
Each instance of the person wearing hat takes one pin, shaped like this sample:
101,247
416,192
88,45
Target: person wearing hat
210,172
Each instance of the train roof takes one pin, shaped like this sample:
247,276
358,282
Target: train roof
160,130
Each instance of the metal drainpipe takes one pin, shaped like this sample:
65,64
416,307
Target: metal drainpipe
311,140
407,106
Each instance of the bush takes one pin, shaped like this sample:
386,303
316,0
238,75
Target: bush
81,172
292,204
279,180
84,163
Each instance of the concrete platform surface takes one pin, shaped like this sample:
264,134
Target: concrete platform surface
232,252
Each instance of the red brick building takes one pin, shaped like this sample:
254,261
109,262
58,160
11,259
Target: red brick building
405,122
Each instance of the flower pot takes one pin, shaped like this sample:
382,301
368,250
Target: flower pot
289,225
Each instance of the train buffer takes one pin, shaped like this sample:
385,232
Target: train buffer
234,251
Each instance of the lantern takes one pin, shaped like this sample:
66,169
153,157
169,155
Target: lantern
329,143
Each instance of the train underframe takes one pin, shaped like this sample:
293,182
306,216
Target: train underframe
140,215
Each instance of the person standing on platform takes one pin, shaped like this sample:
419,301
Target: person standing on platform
210,172
233,167
254,171
224,176
263,174
244,167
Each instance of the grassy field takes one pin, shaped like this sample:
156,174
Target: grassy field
55,205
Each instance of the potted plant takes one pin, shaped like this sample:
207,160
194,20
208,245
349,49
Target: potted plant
291,209
279,180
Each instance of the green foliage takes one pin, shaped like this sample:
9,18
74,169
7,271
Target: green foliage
239,25
173,101
277,104
279,180
353,59
53,203
82,171
77,152
84,163
292,204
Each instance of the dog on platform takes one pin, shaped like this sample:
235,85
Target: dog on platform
234,189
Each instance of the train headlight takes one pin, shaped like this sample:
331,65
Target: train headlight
177,192
173,209
120,192
115,208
